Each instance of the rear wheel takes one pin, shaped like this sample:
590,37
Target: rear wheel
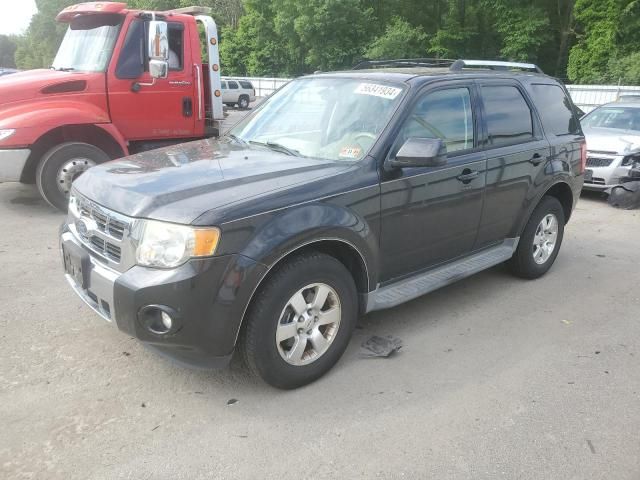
243,102
60,166
300,322
540,242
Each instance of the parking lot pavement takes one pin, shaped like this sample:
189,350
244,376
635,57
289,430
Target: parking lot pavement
498,378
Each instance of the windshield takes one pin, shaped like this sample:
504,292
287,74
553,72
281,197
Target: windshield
621,118
329,118
88,44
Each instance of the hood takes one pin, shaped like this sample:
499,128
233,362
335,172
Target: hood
612,141
32,84
180,183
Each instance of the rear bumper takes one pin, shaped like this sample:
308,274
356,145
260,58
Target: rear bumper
208,298
12,164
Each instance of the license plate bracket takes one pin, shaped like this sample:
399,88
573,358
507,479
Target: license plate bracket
76,263
588,175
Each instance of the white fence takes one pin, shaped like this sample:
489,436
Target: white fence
265,86
587,97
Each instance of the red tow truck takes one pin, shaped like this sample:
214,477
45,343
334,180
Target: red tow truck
123,81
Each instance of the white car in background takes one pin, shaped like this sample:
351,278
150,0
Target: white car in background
613,143
237,92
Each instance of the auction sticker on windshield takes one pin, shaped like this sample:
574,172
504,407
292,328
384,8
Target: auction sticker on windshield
376,90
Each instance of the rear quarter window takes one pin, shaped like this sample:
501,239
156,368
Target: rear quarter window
246,85
555,109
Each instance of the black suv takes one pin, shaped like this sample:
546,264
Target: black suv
343,193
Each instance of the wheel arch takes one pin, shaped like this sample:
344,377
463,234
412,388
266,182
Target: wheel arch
342,250
560,190
109,142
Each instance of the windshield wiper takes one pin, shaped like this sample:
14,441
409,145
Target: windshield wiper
277,147
237,139
64,69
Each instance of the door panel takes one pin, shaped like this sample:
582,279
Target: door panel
510,177
157,110
516,153
431,214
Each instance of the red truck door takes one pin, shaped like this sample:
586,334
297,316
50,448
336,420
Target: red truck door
164,110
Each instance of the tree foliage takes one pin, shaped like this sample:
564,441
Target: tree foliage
400,40
7,51
582,40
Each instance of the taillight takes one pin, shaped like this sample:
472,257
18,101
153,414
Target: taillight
583,157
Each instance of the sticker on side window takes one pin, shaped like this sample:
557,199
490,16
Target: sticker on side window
376,90
350,152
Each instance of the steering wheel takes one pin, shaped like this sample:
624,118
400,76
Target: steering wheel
364,135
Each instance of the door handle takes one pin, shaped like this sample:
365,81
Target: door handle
467,176
536,159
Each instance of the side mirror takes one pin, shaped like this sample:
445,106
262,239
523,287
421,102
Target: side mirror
158,43
420,152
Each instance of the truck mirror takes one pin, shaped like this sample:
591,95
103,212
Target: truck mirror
158,68
158,41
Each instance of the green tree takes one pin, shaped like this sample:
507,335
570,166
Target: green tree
400,40
596,43
37,48
625,70
523,30
7,51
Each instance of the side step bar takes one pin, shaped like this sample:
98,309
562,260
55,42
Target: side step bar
422,283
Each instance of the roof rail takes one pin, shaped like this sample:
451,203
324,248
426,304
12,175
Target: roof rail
458,65
405,62
193,10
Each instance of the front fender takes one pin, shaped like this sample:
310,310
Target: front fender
32,123
287,231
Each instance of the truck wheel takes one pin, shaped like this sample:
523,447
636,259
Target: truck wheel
540,242
300,321
60,166
243,102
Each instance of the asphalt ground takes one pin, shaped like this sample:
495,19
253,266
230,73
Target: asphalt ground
498,378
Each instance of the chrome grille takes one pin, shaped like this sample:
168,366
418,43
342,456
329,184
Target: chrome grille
599,162
108,233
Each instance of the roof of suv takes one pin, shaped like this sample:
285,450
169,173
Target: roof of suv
407,74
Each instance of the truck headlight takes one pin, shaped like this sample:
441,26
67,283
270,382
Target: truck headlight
167,245
6,133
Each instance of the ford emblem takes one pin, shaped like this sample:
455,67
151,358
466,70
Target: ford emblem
85,226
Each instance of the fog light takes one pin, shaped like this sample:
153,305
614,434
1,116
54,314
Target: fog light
159,319
166,320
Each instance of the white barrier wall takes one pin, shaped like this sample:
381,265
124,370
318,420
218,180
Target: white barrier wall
587,97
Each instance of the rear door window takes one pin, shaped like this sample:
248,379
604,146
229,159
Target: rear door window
232,85
556,110
508,116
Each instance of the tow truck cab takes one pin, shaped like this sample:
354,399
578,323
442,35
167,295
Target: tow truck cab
123,81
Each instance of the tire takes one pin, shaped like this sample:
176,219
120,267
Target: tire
532,258
265,356
243,102
63,164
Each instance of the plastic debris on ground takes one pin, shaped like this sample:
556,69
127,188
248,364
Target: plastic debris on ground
382,347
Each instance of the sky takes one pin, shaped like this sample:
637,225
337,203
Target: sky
16,15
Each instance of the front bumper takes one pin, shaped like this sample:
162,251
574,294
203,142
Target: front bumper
208,297
12,164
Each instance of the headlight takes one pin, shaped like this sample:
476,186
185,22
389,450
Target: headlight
6,133
167,245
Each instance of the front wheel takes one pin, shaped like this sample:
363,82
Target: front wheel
60,166
243,102
540,242
300,322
